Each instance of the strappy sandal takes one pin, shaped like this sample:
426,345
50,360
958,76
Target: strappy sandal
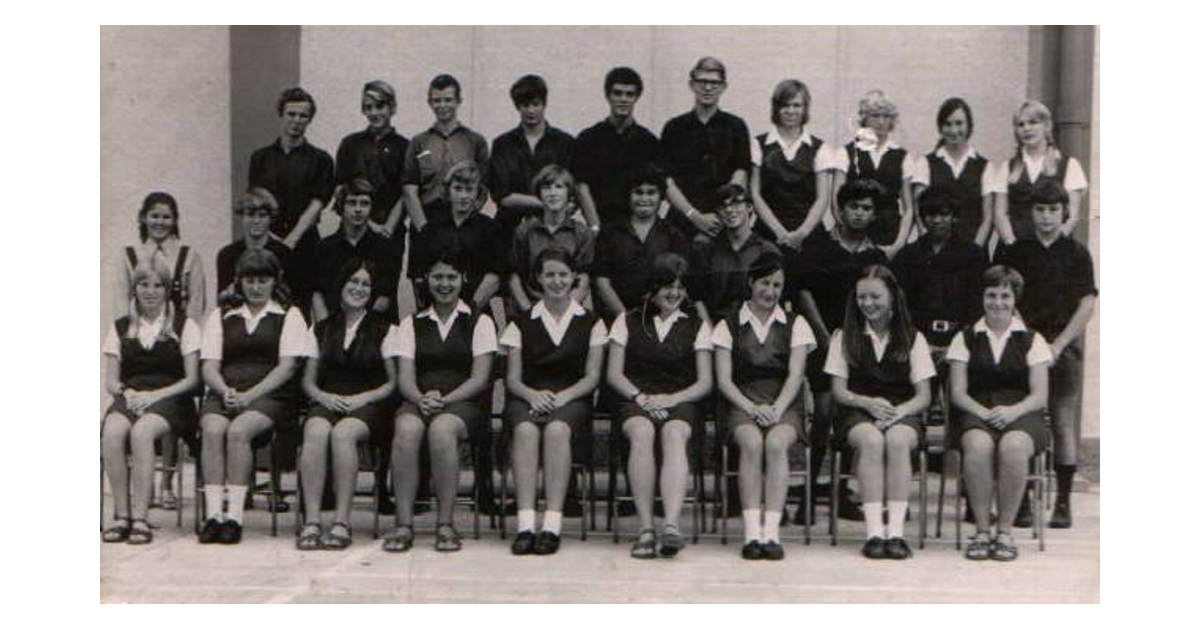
139,534
646,545
980,547
117,533
310,537
1003,548
399,540
447,539
334,539
672,541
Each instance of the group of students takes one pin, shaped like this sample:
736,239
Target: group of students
698,259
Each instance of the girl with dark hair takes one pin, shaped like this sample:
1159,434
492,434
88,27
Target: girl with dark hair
248,358
350,381
761,353
445,354
660,364
152,366
881,368
555,351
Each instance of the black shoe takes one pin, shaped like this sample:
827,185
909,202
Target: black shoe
545,544
210,532
875,549
231,533
523,544
1024,514
1061,518
897,549
753,550
772,550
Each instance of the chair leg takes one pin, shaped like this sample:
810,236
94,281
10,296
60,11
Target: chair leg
958,501
809,482
722,486
941,494
835,495
923,494
614,514
1039,518
504,469
274,486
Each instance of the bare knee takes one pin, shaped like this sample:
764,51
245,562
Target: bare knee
444,432
749,440
1016,447
867,439
115,429
779,440
213,427
676,432
977,444
409,431
558,431
640,431
316,430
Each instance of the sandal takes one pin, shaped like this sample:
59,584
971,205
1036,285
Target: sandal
118,532
672,541
309,538
1003,548
399,540
644,548
169,501
980,547
139,534
447,538
334,538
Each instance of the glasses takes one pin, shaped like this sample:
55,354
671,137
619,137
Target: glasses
709,83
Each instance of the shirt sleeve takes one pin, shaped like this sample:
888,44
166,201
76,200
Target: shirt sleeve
1000,173
212,344
483,339
619,334
599,334
825,159
587,249
189,341
323,179
835,361
721,337
802,335
511,337
294,338
410,175
112,342
312,349
389,347
196,287
841,160
1074,178
1039,351
958,349
756,152
502,184
405,340
993,181
908,166
920,171
703,337
920,363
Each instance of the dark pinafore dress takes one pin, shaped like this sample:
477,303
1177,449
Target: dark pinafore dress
550,367
664,367
445,365
889,173
354,370
1005,383
760,370
158,367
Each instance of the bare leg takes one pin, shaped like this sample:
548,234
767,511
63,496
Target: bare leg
640,467
750,446
979,452
312,465
525,456
868,444
406,449
113,438
345,436
242,430
673,480
445,433
779,439
141,440
1016,448
901,439
556,453
212,434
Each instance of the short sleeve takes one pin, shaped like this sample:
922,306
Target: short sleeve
1074,179
189,341
958,349
920,363
835,361
405,340
293,339
920,171
993,181
599,334
1039,351
312,349
721,337
908,166
703,337
825,160
483,339
390,347
755,152
511,337
213,337
619,334
802,334
112,342
841,160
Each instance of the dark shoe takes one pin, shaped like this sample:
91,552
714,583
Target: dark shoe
1061,518
338,537
399,540
644,547
979,548
752,550
230,533
875,549
210,532
1024,514
897,549
672,542
118,533
772,550
1003,548
523,544
139,533
546,544
447,539
309,538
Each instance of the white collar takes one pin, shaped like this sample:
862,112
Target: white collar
540,311
155,323
997,342
244,311
878,344
760,329
662,327
773,137
1016,325
945,155
431,312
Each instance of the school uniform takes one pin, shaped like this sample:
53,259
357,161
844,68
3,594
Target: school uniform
553,357
879,377
967,181
627,260
1020,192
998,374
943,287
514,164
721,272
432,154
151,361
890,166
787,175
186,291
660,358
228,256
249,347
337,249
603,158
701,156
533,236
379,159
350,360
761,353
443,354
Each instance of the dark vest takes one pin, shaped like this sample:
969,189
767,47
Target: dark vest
547,366
178,291
887,378
161,365
353,370
444,365
889,173
247,359
660,367
1020,195
789,186
1003,383
763,363
967,190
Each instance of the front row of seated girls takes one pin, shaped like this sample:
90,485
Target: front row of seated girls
661,358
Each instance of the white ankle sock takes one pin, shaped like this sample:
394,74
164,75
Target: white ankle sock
214,502
237,502
896,512
873,512
770,531
526,520
752,524
552,522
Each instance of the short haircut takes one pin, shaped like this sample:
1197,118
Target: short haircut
153,199
1002,276
380,91
667,268
443,81
646,174
552,253
951,105
255,263
708,64
937,202
466,172
528,89
255,198
355,187
623,75
785,91
764,265
732,193
554,173
860,189
1049,191
875,102
296,95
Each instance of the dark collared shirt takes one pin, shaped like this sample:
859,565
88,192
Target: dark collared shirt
513,164
626,260
603,159
295,178
334,250
533,236
721,272
945,285
1056,279
431,154
827,270
476,242
701,157
228,256
379,160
